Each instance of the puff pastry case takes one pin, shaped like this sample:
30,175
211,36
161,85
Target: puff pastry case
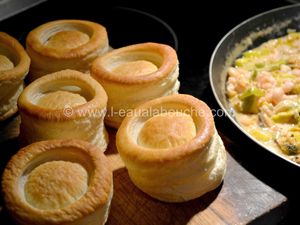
89,103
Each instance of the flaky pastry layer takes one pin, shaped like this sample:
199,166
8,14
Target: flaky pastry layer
91,208
14,66
179,170
41,120
120,72
65,44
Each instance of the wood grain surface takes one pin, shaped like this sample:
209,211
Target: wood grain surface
240,199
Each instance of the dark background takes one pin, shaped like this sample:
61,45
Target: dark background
198,27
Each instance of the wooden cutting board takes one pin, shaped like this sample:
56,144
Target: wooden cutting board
241,199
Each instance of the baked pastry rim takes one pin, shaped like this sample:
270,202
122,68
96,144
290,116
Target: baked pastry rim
92,200
99,97
98,39
21,69
168,65
8,114
138,153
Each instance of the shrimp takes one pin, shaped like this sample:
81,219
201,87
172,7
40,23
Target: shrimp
234,72
231,83
296,44
239,73
275,95
296,72
241,85
237,81
247,120
265,80
294,62
288,86
285,49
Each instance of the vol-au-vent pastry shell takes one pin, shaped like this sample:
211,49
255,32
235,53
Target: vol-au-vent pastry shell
134,74
58,182
136,64
65,104
171,148
14,66
65,44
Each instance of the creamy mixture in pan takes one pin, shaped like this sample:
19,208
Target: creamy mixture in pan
263,88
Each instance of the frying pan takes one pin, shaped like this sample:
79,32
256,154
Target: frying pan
249,34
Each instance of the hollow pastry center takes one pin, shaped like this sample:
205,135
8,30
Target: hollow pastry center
60,100
167,130
68,39
56,184
135,68
5,63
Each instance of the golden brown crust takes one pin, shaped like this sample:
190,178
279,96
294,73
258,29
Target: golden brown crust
88,39
126,89
68,39
97,196
81,121
68,77
165,56
97,33
59,99
200,113
9,113
20,58
136,68
12,75
55,184
191,161
167,130
5,63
